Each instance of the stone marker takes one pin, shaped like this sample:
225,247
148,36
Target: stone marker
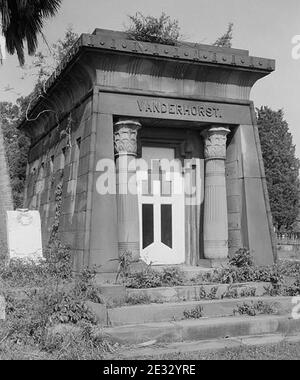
24,234
2,308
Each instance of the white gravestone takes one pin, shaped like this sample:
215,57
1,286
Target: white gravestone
24,235
2,308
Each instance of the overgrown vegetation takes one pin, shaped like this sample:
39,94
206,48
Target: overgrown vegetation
150,278
195,313
226,39
242,258
160,29
255,308
240,270
49,297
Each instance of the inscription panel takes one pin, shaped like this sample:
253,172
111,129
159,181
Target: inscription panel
174,109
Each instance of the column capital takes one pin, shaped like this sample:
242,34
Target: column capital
215,142
125,137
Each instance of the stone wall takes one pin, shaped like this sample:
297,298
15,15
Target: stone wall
61,158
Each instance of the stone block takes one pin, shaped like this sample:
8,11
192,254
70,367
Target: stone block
82,184
112,293
234,221
84,165
234,203
100,312
2,307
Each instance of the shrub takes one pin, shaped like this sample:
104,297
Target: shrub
255,308
241,259
160,30
233,275
172,276
55,268
59,260
70,310
150,278
195,313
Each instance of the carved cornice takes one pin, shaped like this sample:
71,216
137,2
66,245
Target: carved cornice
125,137
215,143
112,60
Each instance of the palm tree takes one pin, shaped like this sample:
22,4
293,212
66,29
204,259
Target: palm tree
23,20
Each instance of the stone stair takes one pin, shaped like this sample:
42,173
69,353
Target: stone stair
165,321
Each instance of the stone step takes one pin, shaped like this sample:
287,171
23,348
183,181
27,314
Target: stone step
172,312
189,271
198,292
202,329
155,351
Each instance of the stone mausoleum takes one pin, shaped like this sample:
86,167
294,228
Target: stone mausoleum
114,114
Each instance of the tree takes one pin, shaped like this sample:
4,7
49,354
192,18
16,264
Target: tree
23,21
225,40
16,143
281,166
17,146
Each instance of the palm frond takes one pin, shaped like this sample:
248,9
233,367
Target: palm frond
23,21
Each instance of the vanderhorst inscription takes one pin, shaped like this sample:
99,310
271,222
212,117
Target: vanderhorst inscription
179,109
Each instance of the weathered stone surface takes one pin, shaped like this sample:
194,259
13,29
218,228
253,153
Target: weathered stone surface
140,314
2,308
113,293
100,311
204,329
24,234
195,292
180,88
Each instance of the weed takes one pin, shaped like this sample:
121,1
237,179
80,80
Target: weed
241,259
195,313
255,308
160,30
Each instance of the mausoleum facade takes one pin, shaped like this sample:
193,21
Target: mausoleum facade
153,150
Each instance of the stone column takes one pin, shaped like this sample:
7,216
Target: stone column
125,140
215,202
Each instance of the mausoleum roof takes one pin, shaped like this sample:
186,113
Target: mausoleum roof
107,43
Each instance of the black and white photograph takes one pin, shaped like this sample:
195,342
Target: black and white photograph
149,183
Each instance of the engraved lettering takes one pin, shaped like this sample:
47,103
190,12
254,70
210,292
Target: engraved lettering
156,107
164,108
141,105
172,109
209,112
194,111
179,109
148,109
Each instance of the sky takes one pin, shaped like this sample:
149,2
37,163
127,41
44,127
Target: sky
265,28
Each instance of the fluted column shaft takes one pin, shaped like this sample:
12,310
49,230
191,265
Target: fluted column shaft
215,203
125,140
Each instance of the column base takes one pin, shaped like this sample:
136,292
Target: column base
214,263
